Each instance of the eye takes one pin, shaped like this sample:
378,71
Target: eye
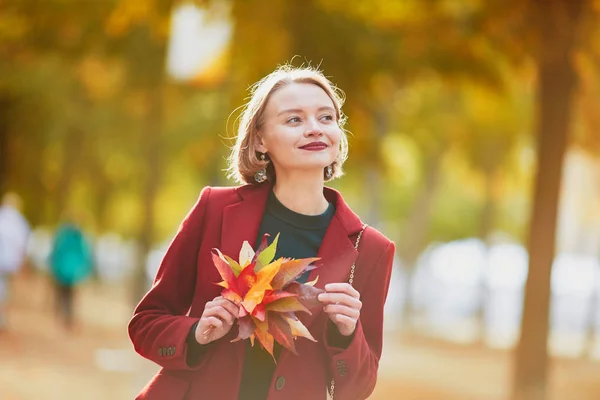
327,117
293,120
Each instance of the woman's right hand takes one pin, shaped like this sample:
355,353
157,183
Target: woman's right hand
217,319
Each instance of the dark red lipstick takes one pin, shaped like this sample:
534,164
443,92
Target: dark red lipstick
314,146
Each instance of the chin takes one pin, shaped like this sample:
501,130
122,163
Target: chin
305,167
316,162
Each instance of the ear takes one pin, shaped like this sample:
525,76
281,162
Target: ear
260,145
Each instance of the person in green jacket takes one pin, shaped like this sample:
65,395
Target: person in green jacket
71,262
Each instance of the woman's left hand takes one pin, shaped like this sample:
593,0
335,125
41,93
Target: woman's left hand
342,303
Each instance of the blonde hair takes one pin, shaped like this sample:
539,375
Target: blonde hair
243,162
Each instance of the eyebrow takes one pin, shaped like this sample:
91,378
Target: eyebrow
299,111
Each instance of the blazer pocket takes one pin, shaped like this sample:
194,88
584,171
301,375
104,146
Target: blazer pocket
165,387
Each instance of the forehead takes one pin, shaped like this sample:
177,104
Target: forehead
298,96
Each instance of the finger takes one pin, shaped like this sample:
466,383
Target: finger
221,313
231,307
223,302
344,320
214,321
342,310
342,288
340,298
212,303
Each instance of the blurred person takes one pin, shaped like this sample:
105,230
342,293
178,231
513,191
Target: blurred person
71,262
290,142
14,233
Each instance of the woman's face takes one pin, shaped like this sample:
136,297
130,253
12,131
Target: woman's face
300,129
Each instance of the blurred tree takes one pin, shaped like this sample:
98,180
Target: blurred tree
5,111
87,71
41,45
143,28
494,123
585,131
425,113
556,26
69,65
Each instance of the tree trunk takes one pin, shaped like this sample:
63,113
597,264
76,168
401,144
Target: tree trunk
148,54
102,193
591,331
486,225
373,172
558,20
372,187
407,311
73,146
4,132
413,238
151,146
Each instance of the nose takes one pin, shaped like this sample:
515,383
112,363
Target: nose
313,129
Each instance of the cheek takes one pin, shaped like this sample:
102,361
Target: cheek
335,136
281,143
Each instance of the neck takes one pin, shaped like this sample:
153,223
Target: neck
302,194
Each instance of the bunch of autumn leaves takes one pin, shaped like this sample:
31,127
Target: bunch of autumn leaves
267,294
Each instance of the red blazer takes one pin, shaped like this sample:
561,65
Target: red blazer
185,282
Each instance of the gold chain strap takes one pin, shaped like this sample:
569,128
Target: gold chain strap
350,281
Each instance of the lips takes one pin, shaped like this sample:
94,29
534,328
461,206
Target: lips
314,146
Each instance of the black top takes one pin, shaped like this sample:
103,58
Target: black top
300,236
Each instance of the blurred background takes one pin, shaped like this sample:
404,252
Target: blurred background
474,145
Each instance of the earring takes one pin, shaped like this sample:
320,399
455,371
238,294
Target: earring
328,172
261,175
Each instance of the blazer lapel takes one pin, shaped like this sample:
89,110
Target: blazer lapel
337,254
241,221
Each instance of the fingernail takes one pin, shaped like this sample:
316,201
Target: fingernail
320,297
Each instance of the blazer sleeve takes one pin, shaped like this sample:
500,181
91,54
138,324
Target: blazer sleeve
354,368
160,325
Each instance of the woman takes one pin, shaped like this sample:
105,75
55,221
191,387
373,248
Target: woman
290,141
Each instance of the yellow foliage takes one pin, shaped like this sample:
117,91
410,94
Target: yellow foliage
128,13
101,78
401,157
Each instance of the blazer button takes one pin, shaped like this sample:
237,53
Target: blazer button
280,383
160,351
